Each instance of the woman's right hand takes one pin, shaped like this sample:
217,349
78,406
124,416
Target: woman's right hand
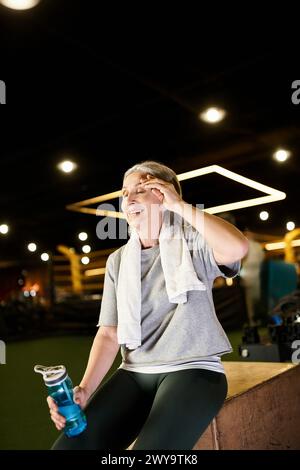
80,397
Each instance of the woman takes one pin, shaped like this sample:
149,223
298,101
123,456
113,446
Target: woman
157,304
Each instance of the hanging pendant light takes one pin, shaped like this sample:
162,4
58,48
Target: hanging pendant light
19,4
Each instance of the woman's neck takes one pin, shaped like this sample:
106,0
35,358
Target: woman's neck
149,243
149,238
146,241
149,230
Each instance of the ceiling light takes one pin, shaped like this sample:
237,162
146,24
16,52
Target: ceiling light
212,115
19,4
85,260
4,229
264,215
290,225
32,247
67,166
44,257
270,194
86,248
83,236
281,155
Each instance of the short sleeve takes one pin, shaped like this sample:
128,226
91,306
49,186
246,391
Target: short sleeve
215,270
108,311
197,242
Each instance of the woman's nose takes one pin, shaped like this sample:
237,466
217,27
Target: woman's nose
131,197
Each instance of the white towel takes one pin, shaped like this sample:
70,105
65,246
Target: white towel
178,269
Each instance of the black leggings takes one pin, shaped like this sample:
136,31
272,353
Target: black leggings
163,411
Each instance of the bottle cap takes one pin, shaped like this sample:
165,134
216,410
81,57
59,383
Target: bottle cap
52,375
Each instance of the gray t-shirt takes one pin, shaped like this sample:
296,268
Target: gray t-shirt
171,333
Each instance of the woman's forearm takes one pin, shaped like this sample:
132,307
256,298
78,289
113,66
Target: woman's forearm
101,358
227,242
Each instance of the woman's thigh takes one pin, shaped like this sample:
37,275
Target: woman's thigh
185,403
115,415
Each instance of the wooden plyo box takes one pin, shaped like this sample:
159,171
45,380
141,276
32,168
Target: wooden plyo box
261,411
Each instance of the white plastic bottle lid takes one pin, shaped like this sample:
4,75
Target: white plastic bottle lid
52,375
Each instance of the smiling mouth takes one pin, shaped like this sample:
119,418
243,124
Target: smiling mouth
135,212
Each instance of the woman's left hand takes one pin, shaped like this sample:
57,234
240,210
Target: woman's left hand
165,191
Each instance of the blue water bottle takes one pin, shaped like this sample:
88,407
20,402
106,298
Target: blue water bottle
60,388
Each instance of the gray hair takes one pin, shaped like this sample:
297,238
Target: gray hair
157,169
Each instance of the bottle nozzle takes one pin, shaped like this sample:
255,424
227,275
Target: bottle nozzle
50,373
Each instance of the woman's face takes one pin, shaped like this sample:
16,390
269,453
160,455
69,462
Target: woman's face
140,205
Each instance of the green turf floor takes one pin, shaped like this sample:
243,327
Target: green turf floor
24,416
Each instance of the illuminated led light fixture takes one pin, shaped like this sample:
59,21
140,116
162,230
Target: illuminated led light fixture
212,115
19,4
94,272
67,166
281,155
83,236
4,228
264,215
280,245
270,194
290,226
32,247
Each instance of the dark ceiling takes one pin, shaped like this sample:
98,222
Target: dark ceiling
108,90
